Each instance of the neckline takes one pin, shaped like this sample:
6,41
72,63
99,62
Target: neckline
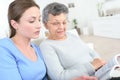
23,54
58,40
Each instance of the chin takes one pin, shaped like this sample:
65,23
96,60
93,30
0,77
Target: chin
62,36
35,37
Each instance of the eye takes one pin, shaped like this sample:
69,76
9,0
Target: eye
39,20
64,23
56,23
31,21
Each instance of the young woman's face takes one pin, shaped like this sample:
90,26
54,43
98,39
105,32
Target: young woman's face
57,26
29,24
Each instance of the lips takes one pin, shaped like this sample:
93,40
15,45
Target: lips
60,31
37,32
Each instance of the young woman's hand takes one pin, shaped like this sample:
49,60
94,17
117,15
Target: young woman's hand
86,78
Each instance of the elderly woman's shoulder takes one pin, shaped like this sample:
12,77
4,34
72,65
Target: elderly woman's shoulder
72,32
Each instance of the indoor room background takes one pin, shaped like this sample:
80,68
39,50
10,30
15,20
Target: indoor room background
97,20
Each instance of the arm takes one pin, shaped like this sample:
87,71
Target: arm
92,52
56,70
97,61
8,66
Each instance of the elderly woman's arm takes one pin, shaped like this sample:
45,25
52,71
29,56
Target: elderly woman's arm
55,69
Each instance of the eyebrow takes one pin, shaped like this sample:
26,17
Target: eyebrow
34,17
58,20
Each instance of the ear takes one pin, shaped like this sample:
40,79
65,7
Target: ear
46,26
14,24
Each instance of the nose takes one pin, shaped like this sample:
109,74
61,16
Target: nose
38,25
61,25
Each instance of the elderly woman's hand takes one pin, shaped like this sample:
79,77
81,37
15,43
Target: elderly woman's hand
98,63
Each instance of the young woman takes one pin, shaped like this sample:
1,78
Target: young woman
19,58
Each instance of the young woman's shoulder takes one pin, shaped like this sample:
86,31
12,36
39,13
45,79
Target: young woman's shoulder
7,46
4,41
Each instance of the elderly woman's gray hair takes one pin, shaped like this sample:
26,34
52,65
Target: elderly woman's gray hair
54,9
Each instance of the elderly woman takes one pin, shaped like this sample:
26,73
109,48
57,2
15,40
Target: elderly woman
65,55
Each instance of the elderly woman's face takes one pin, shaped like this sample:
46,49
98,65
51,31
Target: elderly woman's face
57,26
